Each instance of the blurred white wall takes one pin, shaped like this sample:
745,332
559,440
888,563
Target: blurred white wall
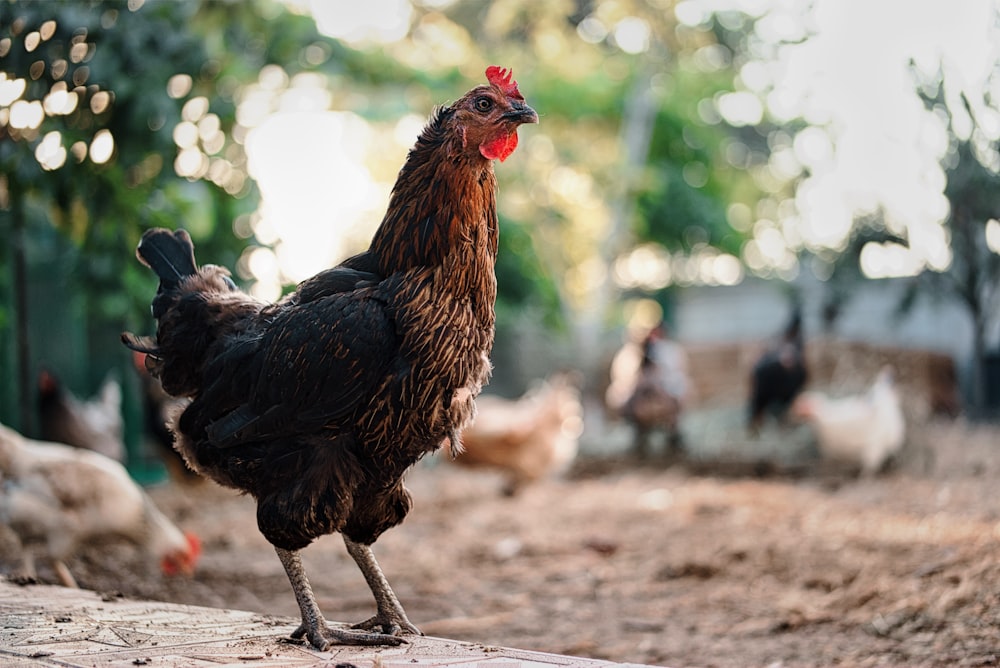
756,310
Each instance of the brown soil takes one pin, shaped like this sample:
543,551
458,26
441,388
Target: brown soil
655,562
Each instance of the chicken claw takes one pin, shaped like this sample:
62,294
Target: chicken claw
392,625
322,637
390,618
314,627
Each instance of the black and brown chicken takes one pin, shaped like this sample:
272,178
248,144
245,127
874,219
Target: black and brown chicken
92,424
778,376
318,404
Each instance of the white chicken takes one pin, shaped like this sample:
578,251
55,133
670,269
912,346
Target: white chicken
54,497
529,437
863,430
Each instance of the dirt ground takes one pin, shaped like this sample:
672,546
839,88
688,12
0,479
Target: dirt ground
669,563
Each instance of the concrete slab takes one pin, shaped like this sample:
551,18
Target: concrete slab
43,625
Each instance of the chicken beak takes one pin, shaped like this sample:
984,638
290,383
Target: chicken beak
522,113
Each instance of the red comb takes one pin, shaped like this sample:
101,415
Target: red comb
194,544
501,78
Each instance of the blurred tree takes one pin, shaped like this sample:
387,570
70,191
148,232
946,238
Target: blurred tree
625,158
973,275
91,96
836,212
84,136
128,115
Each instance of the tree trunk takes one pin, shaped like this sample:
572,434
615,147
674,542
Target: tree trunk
977,372
21,335
635,134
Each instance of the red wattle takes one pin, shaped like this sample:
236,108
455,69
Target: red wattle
500,148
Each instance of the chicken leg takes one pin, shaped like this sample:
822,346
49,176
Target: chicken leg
314,627
64,575
390,617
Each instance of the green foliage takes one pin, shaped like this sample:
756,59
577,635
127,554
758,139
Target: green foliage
681,211
523,281
116,63
87,216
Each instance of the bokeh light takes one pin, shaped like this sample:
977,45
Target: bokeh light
11,89
50,152
632,35
102,147
993,235
373,21
26,115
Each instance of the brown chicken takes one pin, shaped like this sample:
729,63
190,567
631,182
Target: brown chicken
317,405
529,437
649,387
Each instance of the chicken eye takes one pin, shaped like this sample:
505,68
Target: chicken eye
484,104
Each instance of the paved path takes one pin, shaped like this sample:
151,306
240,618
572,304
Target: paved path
43,625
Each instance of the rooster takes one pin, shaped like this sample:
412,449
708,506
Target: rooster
55,497
94,424
318,404
862,430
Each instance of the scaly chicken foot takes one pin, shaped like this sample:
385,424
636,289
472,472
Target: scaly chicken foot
314,627
390,617
64,575
29,575
26,575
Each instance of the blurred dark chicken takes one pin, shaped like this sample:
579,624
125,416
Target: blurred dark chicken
94,424
158,406
779,375
318,405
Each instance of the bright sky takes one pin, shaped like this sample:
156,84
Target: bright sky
846,66
853,78
312,166
874,143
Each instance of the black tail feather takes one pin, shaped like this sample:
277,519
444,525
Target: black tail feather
169,254
227,430
140,344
